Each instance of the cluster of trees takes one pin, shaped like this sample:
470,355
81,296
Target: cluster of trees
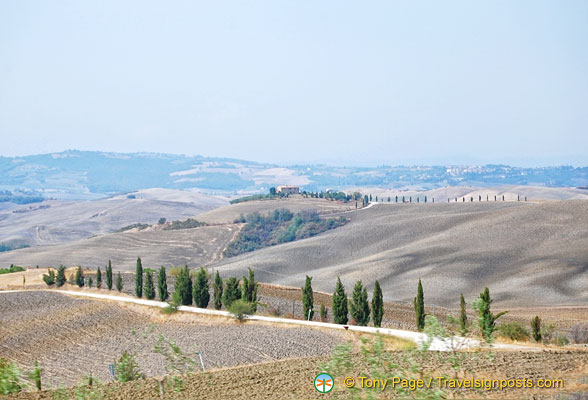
280,226
359,307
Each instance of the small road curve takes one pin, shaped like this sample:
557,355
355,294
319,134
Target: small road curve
437,344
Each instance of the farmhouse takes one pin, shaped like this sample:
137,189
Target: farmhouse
288,189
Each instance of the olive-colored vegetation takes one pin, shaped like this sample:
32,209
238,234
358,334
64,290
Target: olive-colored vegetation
280,226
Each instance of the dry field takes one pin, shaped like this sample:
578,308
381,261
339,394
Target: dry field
195,247
67,221
293,379
528,254
71,337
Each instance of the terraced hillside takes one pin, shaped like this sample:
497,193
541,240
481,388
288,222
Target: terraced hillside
529,254
71,337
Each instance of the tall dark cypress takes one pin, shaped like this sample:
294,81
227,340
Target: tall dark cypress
201,289
308,299
377,305
218,291
139,279
162,284
109,275
339,305
463,317
99,278
360,309
184,286
149,287
419,307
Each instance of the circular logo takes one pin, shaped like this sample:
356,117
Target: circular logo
324,383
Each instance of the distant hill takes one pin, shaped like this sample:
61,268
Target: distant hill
87,175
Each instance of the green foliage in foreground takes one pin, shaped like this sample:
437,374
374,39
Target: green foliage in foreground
377,305
9,377
280,226
60,278
162,284
11,269
486,319
360,308
249,290
307,299
126,368
201,291
218,292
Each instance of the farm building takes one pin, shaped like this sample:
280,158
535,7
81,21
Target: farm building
288,189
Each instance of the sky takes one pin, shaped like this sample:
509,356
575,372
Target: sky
340,82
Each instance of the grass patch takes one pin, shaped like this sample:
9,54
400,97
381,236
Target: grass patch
11,269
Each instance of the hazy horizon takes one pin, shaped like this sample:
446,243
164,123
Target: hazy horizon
451,83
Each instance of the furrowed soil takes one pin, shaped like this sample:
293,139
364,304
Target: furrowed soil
293,378
71,337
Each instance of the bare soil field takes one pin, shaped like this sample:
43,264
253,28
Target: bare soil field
71,337
293,379
196,247
54,222
528,254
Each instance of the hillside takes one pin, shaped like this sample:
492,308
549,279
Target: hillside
77,174
54,222
517,249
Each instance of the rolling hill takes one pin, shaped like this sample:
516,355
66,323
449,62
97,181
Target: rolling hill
529,254
55,222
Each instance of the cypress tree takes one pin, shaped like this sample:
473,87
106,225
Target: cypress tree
162,284
139,279
79,279
463,318
60,279
218,291
419,307
201,289
109,275
149,287
184,286
307,299
231,292
359,307
249,290
99,278
377,305
486,319
536,328
339,305
90,282
119,282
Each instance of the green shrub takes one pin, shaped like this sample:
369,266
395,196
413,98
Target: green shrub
513,331
11,269
126,368
9,378
240,308
49,277
187,224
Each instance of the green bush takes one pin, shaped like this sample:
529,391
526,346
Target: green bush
190,223
240,308
126,368
9,377
49,277
11,269
513,331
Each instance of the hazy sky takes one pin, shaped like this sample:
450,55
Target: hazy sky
299,81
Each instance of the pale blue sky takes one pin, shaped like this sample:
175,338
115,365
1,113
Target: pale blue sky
344,82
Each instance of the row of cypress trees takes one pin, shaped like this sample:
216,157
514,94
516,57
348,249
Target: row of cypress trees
359,307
